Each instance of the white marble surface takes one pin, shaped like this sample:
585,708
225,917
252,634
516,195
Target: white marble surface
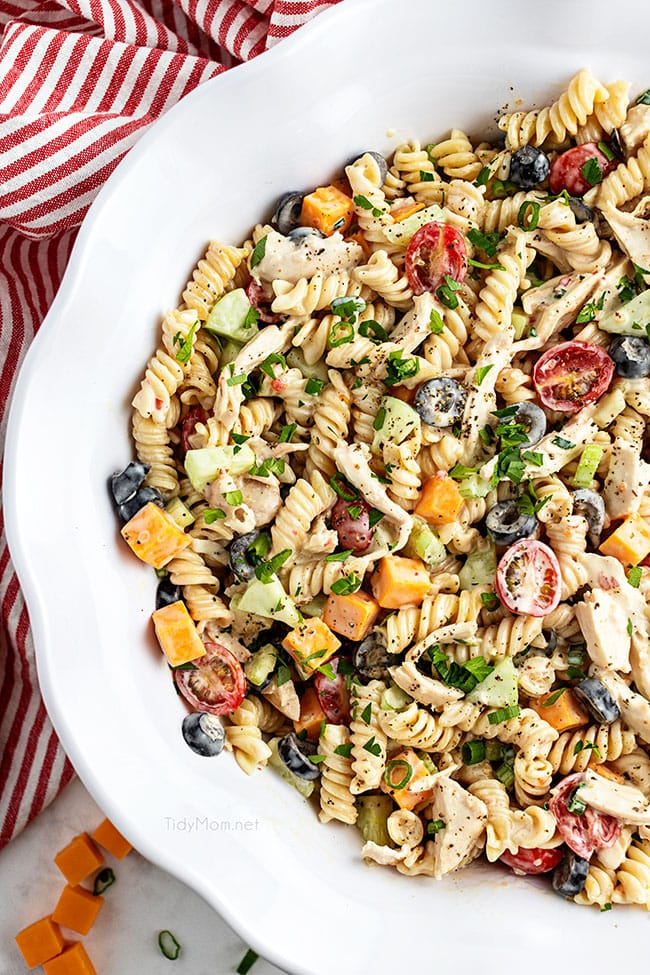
143,901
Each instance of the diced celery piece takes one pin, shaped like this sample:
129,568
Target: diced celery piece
304,786
394,422
268,599
630,318
480,567
519,321
400,233
372,818
499,689
424,544
316,370
395,699
204,464
474,486
587,465
230,317
180,513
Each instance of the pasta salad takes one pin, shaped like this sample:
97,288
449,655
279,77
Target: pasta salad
390,473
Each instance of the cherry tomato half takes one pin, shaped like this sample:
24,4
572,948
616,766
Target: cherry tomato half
574,172
351,522
528,579
195,415
585,832
333,694
435,251
533,861
571,375
216,685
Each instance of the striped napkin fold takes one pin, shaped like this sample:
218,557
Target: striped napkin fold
80,80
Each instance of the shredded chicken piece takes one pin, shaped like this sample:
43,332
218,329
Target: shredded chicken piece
229,399
627,479
465,819
425,690
481,397
554,305
632,231
288,260
353,461
284,698
624,802
603,621
635,709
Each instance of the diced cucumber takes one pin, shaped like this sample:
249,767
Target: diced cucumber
395,699
395,421
180,513
630,318
204,464
400,233
480,567
499,689
316,370
474,486
261,665
519,321
372,818
424,544
268,599
304,786
315,606
229,353
230,317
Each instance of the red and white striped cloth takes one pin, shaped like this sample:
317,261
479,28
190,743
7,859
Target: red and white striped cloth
80,80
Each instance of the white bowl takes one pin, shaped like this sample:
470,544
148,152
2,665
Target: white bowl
295,890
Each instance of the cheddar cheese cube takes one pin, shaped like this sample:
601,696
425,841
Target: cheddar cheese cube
77,909
73,961
40,941
154,536
352,615
311,644
113,841
78,859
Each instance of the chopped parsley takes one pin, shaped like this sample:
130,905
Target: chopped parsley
562,443
344,750
482,372
463,676
287,432
347,585
338,556
436,324
211,515
259,251
233,497
634,576
266,570
592,172
400,368
488,243
271,360
185,350
314,386
364,203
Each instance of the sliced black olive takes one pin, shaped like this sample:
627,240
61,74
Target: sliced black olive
533,419
631,355
506,523
570,875
371,657
597,700
126,483
528,167
138,500
300,233
239,563
295,753
440,402
167,593
533,650
287,212
580,210
591,505
551,641
204,734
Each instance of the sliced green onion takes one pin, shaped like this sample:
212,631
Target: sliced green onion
379,333
435,826
169,945
347,584
493,751
503,714
104,879
342,488
340,334
473,752
338,556
247,962
398,763
575,658
525,221
587,465
553,697
505,775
